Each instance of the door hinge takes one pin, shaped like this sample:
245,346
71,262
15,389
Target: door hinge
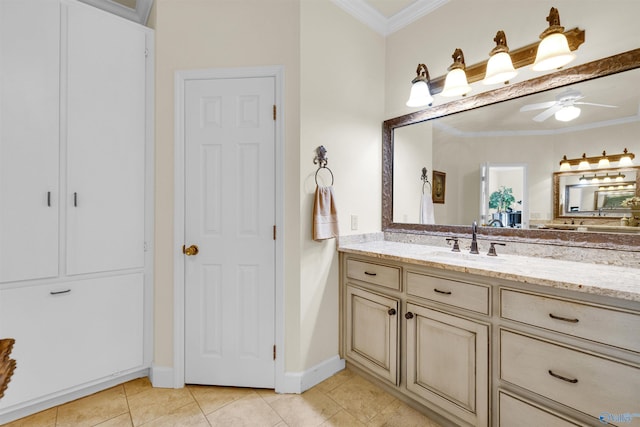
274,112
274,232
274,352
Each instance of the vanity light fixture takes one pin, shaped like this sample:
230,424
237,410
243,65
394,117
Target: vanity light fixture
456,83
568,113
420,95
553,51
606,178
499,67
624,159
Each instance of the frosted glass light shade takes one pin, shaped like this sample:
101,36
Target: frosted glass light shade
553,52
499,69
625,161
566,114
420,95
565,166
603,163
455,84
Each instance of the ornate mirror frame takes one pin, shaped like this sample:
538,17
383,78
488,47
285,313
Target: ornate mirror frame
600,68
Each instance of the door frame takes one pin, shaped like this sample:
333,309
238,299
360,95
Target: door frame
180,80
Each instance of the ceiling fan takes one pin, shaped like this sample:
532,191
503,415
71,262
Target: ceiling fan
564,107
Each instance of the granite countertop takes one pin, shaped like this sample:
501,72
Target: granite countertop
597,279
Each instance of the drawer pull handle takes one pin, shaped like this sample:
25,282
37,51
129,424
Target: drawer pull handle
560,377
60,292
441,292
564,319
392,311
408,315
370,274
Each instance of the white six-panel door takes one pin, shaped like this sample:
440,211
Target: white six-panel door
230,216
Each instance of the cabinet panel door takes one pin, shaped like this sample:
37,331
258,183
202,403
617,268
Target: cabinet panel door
105,141
372,332
29,138
448,362
68,334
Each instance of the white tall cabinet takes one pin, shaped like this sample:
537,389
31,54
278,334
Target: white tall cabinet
75,199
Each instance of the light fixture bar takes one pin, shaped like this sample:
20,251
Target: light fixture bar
596,159
520,57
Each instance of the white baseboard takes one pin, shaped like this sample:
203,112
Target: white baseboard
163,377
298,382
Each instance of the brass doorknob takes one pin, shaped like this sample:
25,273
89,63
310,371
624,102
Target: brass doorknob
190,251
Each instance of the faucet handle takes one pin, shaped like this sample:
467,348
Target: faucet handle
456,245
492,248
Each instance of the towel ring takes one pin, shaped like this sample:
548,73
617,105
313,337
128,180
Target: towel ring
324,167
425,179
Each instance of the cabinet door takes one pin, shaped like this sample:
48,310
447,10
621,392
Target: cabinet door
68,334
448,362
372,332
29,138
105,120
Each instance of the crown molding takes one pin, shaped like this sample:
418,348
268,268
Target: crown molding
368,15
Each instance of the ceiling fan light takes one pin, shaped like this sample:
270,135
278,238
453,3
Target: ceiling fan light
568,113
499,69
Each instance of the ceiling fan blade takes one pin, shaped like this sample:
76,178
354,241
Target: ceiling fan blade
538,106
547,113
597,105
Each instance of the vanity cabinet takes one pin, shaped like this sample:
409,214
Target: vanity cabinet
447,360
581,355
481,350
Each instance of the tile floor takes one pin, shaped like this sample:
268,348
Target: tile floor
346,399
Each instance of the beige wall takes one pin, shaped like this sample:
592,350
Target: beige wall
194,34
334,96
341,108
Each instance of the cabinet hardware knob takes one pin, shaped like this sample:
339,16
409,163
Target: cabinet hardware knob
191,250
370,274
560,377
392,311
66,291
408,315
442,292
564,319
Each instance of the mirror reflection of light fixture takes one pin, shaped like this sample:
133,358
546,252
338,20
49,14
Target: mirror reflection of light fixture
568,113
499,67
420,95
604,161
624,159
582,180
553,50
456,83
584,163
606,178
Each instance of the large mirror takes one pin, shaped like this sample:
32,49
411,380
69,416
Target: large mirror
459,139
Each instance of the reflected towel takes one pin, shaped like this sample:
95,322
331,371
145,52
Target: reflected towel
426,209
325,215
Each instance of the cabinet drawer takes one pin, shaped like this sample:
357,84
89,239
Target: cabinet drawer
597,323
459,294
68,334
515,412
381,275
588,383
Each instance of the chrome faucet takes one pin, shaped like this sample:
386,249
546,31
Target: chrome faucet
474,241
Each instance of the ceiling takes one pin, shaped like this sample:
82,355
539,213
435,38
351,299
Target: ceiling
388,16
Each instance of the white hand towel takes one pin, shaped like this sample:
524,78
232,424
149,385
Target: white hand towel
426,209
325,215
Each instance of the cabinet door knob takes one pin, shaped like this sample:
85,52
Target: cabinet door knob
191,250
408,315
392,311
